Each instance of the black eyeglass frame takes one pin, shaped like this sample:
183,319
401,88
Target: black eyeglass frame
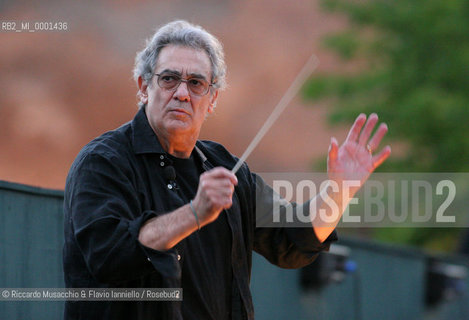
181,79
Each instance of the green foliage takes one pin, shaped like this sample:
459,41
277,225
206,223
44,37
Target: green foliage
416,78
346,44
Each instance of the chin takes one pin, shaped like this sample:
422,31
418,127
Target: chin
179,126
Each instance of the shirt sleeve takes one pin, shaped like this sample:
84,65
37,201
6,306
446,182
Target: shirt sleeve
287,245
106,216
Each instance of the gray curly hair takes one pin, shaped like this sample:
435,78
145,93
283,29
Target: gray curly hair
182,33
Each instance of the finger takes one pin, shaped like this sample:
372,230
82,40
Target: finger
356,128
366,132
221,172
217,171
222,185
378,159
221,198
378,136
228,203
333,151
218,185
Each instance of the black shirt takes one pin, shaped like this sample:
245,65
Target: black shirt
116,183
206,268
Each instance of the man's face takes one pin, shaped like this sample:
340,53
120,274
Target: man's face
173,113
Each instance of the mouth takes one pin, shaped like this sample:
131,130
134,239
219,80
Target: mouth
179,111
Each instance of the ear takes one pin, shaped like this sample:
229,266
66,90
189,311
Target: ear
213,101
142,90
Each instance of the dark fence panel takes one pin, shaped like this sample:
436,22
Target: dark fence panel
388,284
31,239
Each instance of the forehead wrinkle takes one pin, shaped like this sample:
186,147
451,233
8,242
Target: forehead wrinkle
178,73
178,59
171,71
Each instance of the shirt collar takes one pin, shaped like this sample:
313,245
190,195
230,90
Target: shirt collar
144,139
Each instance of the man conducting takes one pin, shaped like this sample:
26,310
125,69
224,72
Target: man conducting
148,205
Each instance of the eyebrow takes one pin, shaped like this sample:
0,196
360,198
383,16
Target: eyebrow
192,75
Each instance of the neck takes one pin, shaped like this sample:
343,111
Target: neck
178,145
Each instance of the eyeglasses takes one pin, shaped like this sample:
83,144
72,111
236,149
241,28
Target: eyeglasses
171,81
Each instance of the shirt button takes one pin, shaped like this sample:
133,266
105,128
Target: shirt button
162,163
162,157
170,186
148,259
179,257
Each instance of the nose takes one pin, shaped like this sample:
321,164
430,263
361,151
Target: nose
182,92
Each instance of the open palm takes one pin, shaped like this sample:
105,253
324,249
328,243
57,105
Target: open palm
354,159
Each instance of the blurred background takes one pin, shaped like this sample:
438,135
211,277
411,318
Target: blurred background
61,89
406,61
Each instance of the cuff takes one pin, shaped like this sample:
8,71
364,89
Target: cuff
165,262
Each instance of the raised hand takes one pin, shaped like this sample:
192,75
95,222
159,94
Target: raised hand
354,159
